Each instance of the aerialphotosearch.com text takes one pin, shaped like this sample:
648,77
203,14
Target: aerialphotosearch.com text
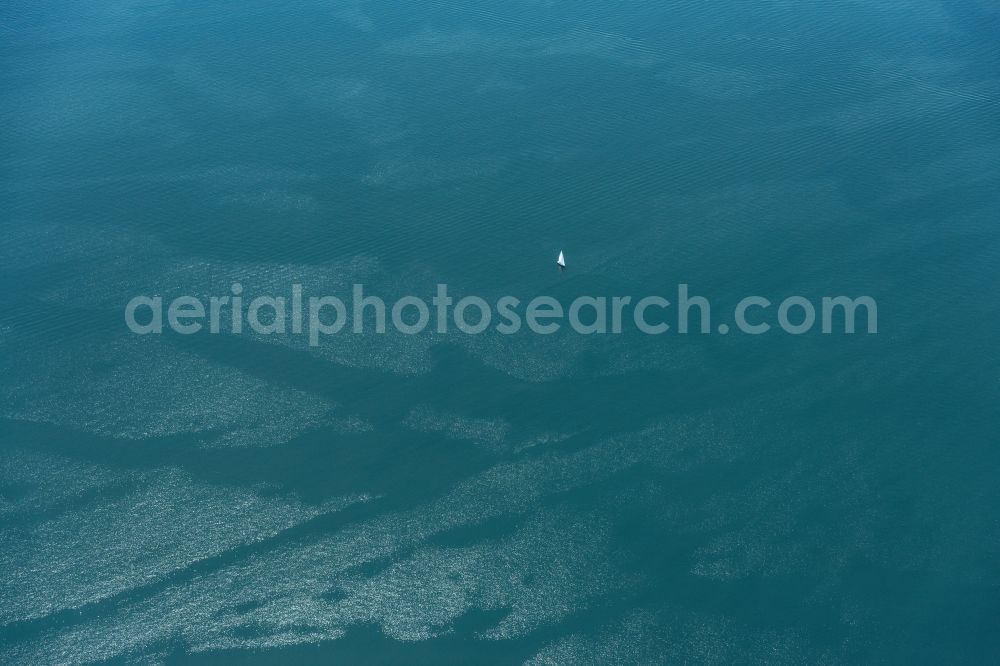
319,316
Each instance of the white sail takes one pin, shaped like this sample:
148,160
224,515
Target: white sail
561,260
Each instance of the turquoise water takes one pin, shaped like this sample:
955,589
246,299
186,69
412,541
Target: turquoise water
500,499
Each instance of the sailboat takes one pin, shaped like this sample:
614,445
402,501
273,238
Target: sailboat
561,261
